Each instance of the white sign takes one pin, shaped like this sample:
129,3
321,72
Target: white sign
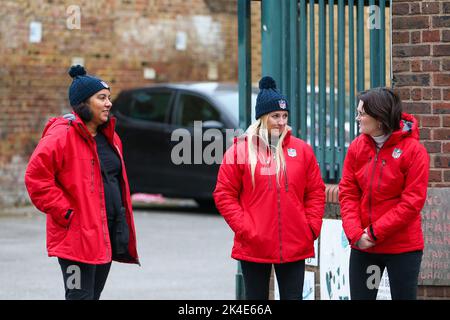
314,261
384,290
35,32
334,262
308,287
149,73
213,72
181,41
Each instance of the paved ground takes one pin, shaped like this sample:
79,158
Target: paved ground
184,255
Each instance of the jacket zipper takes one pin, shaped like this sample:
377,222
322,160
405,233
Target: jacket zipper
370,187
383,162
279,221
92,175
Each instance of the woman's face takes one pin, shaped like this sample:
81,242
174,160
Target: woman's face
100,105
368,124
276,122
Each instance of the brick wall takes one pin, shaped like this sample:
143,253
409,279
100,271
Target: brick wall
118,39
421,68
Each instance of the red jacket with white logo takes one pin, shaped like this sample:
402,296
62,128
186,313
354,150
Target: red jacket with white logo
385,191
273,222
64,173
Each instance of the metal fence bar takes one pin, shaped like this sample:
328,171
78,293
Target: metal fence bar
382,40
341,84
351,69
244,63
285,86
245,86
294,76
374,45
360,82
303,68
332,148
271,47
322,86
312,75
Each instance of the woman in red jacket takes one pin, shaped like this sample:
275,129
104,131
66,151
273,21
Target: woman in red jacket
76,175
382,192
271,194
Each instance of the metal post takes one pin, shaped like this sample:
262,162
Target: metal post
244,63
322,87
245,85
271,39
294,76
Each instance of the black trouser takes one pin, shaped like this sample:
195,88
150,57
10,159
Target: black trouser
83,281
289,275
366,269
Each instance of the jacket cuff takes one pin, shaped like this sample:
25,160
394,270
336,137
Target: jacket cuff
355,239
371,233
64,218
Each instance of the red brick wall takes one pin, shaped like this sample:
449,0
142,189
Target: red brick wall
421,68
117,40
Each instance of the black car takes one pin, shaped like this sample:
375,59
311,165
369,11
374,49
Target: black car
152,121
156,122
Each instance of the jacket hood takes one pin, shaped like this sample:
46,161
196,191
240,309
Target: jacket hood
409,127
74,120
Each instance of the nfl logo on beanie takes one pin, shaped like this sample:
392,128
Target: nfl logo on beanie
269,99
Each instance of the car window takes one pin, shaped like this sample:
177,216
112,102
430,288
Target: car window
230,101
150,106
193,108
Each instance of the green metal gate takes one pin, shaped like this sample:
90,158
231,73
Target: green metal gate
321,53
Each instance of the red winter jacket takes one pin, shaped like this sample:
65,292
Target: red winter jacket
274,222
64,173
386,191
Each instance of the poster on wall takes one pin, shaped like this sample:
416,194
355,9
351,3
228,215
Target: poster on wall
308,287
334,265
334,262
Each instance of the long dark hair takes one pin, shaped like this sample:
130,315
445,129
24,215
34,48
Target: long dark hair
384,105
84,112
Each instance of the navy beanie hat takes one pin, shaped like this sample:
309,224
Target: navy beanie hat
269,99
83,85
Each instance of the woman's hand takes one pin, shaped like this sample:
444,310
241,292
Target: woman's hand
365,242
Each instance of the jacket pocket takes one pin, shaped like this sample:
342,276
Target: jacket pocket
299,209
120,236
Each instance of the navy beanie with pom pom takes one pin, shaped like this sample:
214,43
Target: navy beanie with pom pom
83,85
269,99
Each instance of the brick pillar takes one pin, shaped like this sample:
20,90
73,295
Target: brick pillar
421,70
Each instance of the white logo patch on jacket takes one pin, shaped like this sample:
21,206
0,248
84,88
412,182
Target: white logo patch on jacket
396,153
292,152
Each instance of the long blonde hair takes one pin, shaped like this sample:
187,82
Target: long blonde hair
259,129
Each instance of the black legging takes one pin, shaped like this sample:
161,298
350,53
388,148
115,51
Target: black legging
289,275
83,281
403,271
